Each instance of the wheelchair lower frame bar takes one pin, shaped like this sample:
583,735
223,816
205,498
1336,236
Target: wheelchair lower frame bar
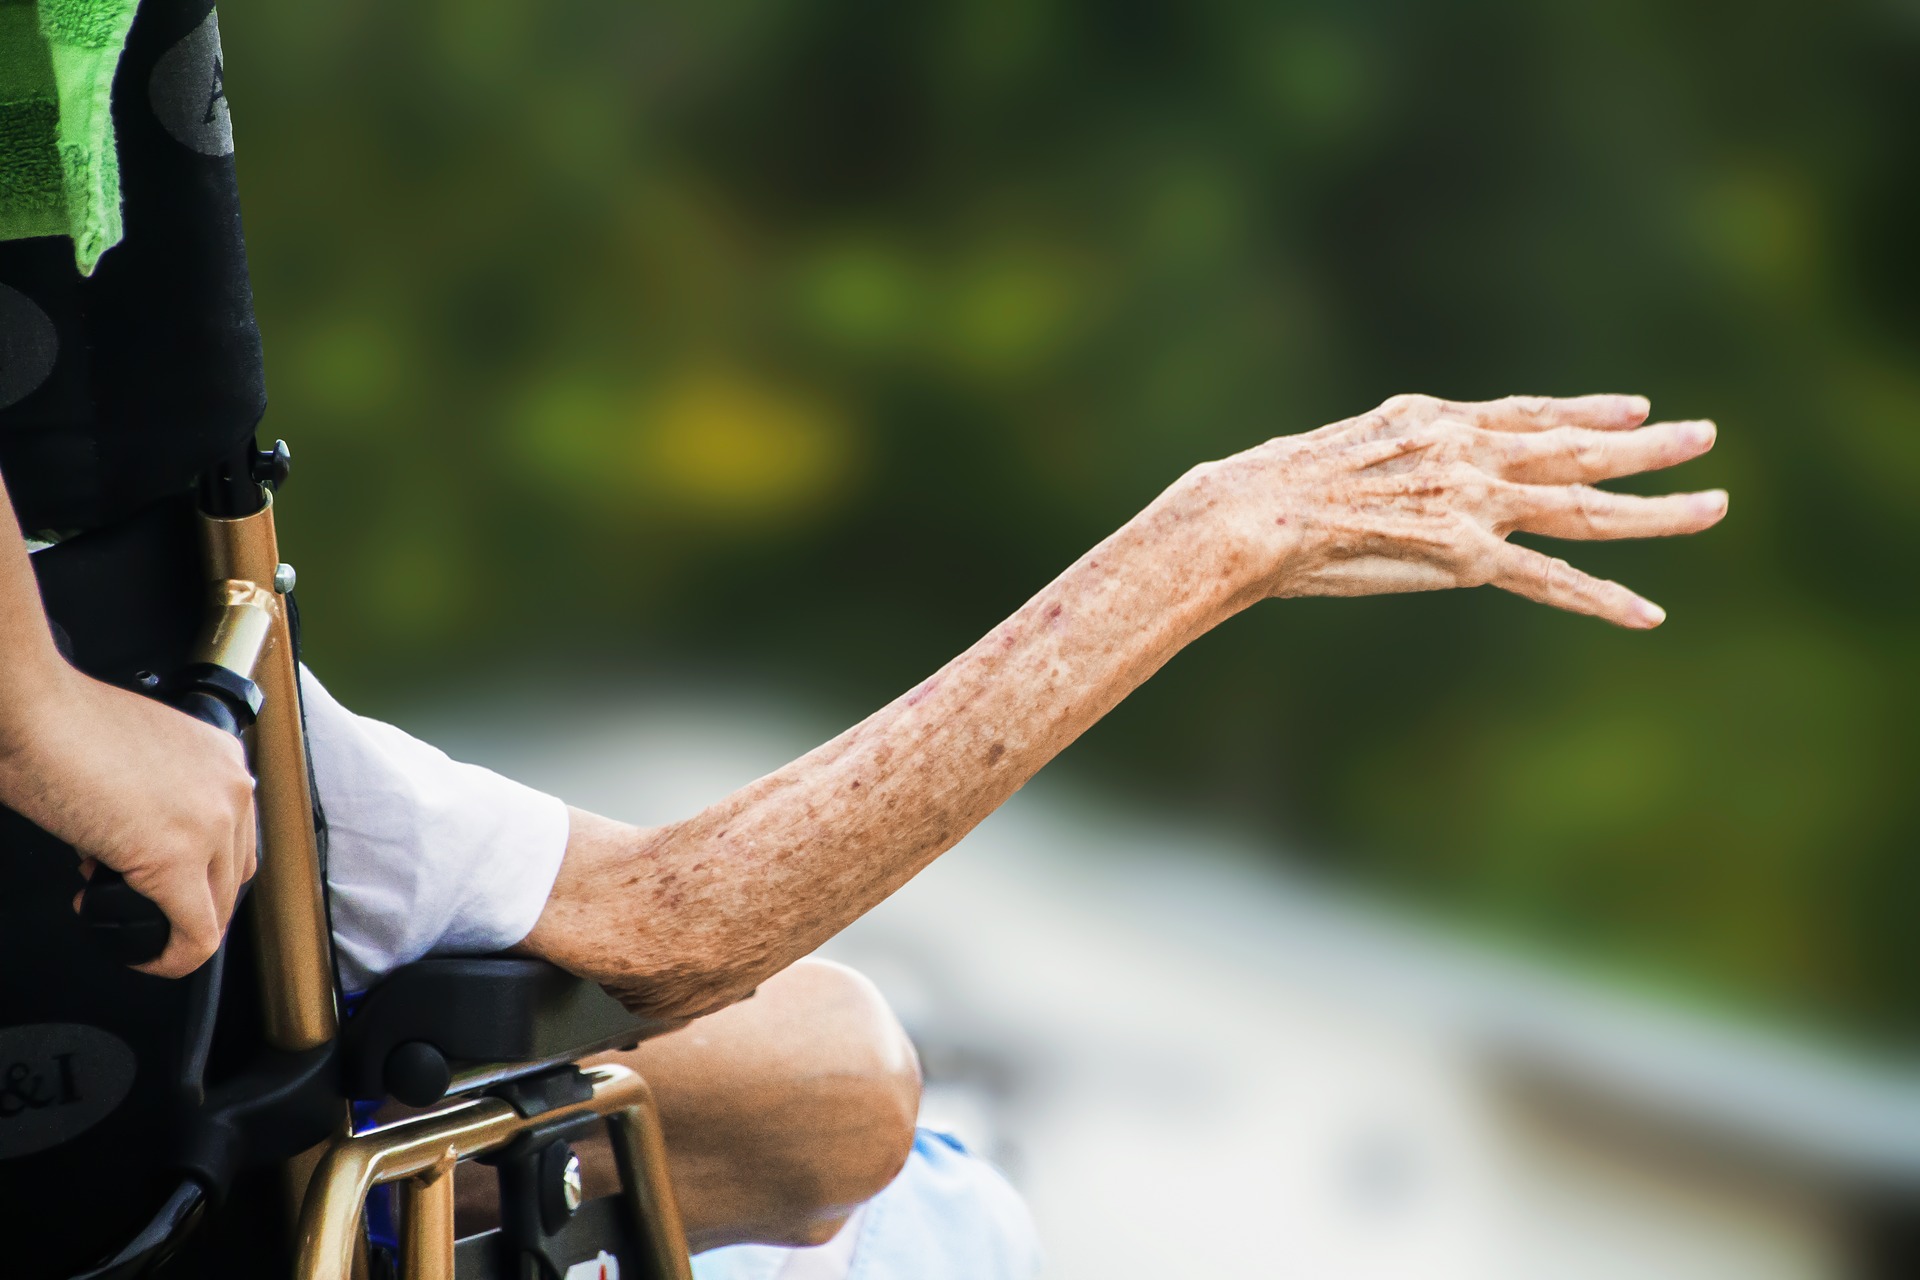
421,1152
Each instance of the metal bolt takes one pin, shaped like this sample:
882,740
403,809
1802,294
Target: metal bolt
570,1183
283,578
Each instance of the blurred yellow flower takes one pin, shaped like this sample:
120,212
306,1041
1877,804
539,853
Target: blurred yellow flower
719,443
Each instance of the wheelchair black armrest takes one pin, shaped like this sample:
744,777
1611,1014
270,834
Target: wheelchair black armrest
430,1020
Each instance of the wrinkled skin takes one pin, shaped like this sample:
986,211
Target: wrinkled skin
1418,495
1421,494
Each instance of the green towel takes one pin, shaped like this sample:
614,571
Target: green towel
59,173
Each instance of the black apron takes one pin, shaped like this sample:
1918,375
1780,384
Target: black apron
119,389
116,392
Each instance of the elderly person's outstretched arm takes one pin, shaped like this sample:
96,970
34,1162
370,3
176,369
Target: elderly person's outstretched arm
1418,495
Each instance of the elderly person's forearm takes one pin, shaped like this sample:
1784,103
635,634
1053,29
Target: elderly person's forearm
1418,495
682,919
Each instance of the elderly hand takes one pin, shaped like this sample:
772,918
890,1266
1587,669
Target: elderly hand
1421,494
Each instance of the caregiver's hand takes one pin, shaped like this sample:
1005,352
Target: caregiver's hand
135,785
1421,494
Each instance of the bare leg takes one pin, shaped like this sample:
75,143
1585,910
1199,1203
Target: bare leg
783,1113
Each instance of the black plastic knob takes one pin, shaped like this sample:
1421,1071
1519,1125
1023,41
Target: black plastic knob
271,466
559,1183
417,1073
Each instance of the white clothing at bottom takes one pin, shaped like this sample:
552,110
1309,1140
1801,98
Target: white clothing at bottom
949,1215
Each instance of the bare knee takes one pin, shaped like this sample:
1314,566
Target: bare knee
874,1090
786,1112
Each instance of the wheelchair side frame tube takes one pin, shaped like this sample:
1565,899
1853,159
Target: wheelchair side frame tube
295,970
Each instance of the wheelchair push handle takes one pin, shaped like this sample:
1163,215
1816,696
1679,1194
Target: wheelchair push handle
122,921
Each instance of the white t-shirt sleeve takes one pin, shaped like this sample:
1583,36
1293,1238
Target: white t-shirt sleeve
425,855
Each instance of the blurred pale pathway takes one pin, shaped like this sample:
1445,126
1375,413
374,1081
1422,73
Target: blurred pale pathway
1190,1064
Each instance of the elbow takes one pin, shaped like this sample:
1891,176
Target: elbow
667,964
671,998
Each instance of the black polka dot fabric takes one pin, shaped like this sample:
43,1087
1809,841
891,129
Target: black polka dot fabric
120,388
28,346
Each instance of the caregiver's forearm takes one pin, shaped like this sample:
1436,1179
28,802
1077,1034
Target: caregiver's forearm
29,663
682,919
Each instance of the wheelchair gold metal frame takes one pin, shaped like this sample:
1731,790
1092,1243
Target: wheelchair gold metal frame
296,969
421,1152
250,633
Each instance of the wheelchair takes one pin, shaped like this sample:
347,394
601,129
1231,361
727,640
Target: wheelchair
223,1125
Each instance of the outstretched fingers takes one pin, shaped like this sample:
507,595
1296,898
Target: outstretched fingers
1577,511
1544,413
1581,455
1542,578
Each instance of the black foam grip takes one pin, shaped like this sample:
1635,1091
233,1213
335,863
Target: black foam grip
123,921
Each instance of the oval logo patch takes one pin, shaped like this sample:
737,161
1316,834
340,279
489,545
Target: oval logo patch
28,346
57,1080
188,91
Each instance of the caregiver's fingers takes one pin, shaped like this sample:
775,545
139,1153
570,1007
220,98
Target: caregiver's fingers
197,922
1544,413
1577,511
1527,572
1581,455
232,868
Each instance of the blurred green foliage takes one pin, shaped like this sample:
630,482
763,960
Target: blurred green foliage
810,338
